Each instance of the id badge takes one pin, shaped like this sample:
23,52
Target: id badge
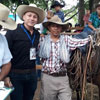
32,53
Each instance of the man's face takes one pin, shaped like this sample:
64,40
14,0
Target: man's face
55,29
88,12
98,10
30,18
57,8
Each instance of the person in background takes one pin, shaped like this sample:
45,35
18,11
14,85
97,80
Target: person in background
23,43
86,17
69,27
54,50
78,29
5,55
49,14
57,6
43,30
94,21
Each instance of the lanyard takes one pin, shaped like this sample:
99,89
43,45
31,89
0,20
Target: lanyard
32,40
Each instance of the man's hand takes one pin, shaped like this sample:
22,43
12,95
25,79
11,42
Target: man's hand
7,82
42,35
91,37
98,30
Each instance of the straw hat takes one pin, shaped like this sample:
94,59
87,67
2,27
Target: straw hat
5,21
22,9
56,3
56,20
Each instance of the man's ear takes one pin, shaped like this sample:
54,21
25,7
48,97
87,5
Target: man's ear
23,17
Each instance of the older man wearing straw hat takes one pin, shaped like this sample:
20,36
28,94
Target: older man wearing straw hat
55,53
23,43
5,55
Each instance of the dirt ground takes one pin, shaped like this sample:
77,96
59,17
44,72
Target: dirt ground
90,89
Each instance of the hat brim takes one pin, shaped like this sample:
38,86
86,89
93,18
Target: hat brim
64,25
98,5
9,24
22,9
53,6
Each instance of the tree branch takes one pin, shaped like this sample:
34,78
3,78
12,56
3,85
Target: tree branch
71,10
71,16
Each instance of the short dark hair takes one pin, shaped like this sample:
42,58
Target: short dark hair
77,24
69,24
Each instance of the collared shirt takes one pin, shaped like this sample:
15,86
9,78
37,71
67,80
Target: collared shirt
53,64
60,15
20,45
5,55
95,20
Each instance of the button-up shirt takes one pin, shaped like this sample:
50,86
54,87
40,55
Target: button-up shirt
5,55
60,15
95,20
54,64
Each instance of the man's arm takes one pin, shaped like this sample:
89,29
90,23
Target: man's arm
91,26
92,20
5,70
6,64
73,43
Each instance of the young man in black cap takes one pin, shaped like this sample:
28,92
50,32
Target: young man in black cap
57,6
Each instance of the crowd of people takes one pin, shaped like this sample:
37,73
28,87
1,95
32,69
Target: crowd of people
23,43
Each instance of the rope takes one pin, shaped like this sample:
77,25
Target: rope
85,70
74,70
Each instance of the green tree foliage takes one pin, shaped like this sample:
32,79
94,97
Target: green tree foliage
45,4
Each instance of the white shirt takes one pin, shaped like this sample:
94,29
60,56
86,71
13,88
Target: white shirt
5,55
41,25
